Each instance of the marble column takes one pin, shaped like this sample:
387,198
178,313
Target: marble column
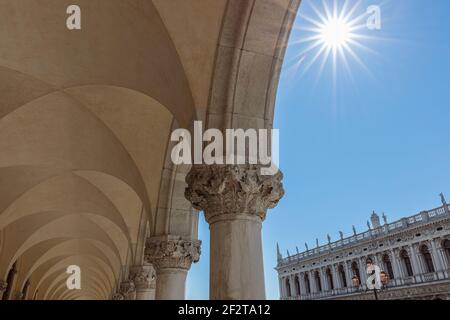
442,254
437,257
281,288
363,271
336,277
348,274
144,279
312,281
324,280
301,277
171,257
414,260
396,265
235,199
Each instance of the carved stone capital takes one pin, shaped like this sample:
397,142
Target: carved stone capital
172,252
127,291
230,190
143,277
118,296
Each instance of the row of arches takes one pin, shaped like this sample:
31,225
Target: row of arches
356,274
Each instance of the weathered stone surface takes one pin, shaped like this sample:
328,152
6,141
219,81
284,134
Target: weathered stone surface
172,253
233,189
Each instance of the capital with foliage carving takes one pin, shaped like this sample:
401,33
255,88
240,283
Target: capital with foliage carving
172,252
143,277
233,190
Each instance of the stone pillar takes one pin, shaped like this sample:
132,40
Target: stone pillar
3,287
324,279
281,289
144,279
171,257
312,281
398,272
442,254
235,199
437,258
348,274
301,277
336,276
414,260
363,271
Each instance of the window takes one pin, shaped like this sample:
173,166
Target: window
446,247
406,263
330,279
307,284
318,284
297,286
355,269
288,287
388,265
426,255
342,275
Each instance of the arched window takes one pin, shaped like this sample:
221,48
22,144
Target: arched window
342,275
318,284
330,279
406,263
388,265
355,270
297,286
307,284
446,247
288,287
426,255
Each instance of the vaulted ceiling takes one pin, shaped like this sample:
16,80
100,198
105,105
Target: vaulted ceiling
85,118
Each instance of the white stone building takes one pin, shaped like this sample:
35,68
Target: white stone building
414,252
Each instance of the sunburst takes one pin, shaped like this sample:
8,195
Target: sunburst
334,34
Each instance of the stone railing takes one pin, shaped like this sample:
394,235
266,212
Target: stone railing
403,223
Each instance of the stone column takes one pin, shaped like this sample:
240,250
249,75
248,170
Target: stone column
324,280
336,277
363,271
144,279
414,260
348,274
3,287
312,281
235,199
442,254
301,277
396,265
280,286
171,257
437,258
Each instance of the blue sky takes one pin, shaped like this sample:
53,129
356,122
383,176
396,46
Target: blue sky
377,140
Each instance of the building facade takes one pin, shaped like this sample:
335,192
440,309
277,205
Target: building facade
413,252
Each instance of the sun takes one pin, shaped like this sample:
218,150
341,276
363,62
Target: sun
335,33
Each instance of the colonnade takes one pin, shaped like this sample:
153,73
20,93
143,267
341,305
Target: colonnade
405,264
